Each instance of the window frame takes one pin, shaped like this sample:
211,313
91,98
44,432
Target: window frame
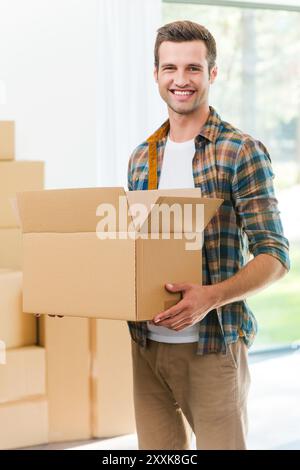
254,4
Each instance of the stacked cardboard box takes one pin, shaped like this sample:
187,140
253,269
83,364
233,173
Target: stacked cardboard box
16,329
15,176
7,140
26,423
86,360
65,387
67,344
112,391
23,404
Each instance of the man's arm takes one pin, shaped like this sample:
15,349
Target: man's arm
198,300
258,216
259,273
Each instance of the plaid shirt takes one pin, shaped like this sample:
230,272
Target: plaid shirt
230,165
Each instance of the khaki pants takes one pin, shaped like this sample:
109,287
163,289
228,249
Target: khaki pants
173,386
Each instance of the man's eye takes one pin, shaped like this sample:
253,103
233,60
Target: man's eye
194,69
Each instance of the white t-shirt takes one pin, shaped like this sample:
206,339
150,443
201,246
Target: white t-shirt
176,173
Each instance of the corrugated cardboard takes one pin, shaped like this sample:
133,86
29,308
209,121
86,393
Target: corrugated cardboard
16,329
17,176
10,248
112,390
23,375
24,423
67,344
7,140
121,277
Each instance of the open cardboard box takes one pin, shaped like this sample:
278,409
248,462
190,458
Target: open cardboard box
89,252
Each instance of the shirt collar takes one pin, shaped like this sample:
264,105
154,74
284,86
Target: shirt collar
209,131
211,128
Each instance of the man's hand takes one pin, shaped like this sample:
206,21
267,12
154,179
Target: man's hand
37,315
198,300
195,304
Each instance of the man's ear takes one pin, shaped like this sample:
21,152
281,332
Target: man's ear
213,74
155,73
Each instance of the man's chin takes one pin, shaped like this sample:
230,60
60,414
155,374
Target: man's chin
181,110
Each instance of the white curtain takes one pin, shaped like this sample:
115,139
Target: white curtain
128,104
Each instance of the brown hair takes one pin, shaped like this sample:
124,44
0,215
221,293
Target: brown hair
180,31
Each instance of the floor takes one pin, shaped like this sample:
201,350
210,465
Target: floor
274,408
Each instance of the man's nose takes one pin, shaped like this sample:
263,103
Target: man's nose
180,79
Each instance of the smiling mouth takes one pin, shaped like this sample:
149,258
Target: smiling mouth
182,92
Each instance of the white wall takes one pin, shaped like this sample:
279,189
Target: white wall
48,63
78,76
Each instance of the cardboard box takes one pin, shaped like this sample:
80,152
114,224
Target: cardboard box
7,140
23,375
67,344
112,387
24,423
119,277
16,328
17,176
10,248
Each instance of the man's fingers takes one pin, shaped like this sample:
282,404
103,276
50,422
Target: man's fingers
175,321
49,315
175,310
177,287
180,327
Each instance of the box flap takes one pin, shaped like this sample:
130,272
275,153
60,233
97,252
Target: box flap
180,214
140,202
69,210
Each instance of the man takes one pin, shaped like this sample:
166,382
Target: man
190,363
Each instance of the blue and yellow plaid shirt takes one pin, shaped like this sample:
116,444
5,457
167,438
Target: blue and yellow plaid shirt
230,165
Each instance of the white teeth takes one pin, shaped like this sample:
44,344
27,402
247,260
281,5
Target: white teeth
182,92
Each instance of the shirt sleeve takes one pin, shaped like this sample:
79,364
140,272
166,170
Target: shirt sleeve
129,173
255,202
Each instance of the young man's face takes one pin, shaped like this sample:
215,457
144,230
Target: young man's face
183,78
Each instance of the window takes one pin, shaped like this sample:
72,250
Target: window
258,90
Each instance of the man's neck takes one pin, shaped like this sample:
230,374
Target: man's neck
186,127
